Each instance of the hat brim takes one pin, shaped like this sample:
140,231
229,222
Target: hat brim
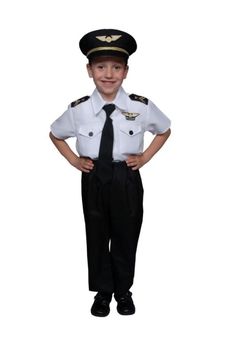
107,53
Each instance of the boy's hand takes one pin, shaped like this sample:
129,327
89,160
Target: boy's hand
136,161
83,164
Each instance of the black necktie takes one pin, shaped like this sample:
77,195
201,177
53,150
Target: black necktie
106,147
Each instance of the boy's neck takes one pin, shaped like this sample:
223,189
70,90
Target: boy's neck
110,99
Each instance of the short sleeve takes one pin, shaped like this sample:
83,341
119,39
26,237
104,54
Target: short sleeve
63,127
157,121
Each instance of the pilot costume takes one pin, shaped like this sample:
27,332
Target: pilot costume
112,199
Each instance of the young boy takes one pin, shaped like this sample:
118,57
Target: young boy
109,127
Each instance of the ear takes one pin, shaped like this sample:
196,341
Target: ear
126,71
89,69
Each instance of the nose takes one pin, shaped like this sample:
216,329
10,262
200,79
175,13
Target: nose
108,72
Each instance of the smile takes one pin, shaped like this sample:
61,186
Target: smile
108,82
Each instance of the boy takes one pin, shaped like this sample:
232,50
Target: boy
109,127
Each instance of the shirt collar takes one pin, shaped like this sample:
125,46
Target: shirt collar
120,100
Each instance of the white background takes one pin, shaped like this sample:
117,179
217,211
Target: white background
184,287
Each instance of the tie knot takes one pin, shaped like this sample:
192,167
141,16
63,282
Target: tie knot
109,108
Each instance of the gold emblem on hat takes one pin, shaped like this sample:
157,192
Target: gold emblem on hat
130,116
108,38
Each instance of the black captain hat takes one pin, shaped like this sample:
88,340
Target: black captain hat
107,42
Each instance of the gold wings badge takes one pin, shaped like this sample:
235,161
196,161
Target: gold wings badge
108,38
131,116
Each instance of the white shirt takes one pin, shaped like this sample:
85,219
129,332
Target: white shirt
131,119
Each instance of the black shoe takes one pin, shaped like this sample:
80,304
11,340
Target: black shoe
125,304
100,307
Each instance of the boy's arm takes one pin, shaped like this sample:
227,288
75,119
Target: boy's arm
137,161
81,163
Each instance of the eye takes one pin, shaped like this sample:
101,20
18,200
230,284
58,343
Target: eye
117,67
100,67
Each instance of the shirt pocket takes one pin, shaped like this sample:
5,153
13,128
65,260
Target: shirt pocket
88,139
131,138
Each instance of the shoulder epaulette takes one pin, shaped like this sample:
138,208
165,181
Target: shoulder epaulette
139,98
79,101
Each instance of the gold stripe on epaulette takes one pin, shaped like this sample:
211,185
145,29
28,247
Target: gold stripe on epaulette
139,98
79,101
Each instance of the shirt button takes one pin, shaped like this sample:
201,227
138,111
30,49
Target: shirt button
131,132
90,134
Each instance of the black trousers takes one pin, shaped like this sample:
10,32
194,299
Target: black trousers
113,217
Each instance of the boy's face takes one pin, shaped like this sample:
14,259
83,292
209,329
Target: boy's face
108,74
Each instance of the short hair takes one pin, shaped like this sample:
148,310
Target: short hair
91,60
